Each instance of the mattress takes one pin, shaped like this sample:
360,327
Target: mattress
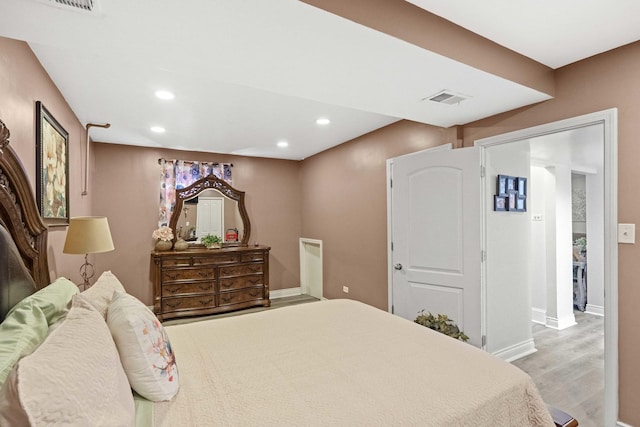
340,362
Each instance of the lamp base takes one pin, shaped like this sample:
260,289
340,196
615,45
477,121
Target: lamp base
87,272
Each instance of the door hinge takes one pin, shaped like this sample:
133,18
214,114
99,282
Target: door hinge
484,340
392,309
391,183
482,171
483,256
391,245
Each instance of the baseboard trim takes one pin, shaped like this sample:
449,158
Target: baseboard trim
595,309
283,293
516,351
560,324
539,315
621,424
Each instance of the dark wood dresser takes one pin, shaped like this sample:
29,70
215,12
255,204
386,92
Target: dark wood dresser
203,281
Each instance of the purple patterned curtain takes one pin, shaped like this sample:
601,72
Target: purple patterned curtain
176,174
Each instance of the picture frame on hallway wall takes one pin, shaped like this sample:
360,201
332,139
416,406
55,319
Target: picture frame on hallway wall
52,168
499,203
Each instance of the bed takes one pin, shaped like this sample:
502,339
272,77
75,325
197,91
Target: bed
336,362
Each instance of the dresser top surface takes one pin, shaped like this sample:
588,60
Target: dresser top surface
204,251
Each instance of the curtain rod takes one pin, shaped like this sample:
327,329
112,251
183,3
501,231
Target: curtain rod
162,160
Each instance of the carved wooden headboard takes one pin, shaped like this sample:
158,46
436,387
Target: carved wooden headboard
19,212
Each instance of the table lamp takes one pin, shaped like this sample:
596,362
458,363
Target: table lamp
88,235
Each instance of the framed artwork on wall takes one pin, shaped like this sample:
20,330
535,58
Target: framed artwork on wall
501,185
499,203
521,186
52,168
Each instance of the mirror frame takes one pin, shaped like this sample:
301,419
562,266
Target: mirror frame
211,182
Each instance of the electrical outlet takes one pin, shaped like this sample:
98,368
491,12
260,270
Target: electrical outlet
345,289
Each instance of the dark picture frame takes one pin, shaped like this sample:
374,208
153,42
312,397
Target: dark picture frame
511,202
499,203
501,185
521,186
521,204
52,168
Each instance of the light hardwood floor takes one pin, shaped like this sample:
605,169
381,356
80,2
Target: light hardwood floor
568,368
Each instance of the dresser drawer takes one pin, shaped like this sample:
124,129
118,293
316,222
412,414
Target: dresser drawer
188,303
229,283
174,289
252,256
237,297
241,270
180,274
217,258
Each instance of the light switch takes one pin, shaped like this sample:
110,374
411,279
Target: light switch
627,233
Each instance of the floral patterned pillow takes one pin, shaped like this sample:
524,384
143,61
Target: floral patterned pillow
144,347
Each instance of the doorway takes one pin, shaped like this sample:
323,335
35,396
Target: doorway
608,120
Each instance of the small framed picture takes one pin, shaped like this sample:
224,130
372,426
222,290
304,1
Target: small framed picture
499,203
501,185
521,186
513,196
521,204
511,184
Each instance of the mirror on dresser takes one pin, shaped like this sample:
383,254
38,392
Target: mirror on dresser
211,206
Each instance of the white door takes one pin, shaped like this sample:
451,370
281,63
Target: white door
210,216
435,227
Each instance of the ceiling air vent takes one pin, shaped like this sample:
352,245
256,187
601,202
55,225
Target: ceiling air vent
77,5
446,97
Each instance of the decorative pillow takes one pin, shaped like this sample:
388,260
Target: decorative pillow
144,348
26,326
101,293
74,378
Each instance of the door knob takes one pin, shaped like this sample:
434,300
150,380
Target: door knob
398,266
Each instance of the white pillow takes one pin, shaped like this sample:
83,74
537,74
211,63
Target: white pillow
74,378
101,293
144,348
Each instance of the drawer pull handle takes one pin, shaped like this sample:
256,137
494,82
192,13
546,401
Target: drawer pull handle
173,276
172,290
254,280
227,285
206,302
226,298
255,293
173,305
204,288
203,274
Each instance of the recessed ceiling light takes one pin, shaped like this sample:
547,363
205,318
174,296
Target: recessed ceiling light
323,121
165,94
157,129
283,144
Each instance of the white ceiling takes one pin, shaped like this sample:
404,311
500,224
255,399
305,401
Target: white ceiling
247,74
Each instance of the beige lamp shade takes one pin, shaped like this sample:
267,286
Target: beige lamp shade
88,235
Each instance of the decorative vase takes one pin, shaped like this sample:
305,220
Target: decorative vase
164,245
180,245
213,246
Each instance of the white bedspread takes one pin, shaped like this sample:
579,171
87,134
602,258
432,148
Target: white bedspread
340,362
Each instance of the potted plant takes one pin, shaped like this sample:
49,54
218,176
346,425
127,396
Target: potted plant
442,324
211,241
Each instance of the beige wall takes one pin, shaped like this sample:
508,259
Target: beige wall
605,81
344,204
127,190
23,81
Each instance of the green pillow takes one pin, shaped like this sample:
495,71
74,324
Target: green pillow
53,300
27,324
